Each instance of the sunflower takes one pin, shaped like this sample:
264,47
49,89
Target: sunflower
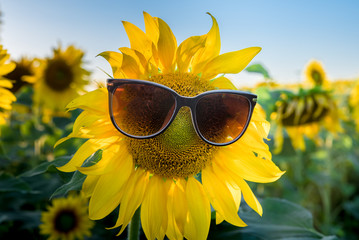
67,218
58,80
6,97
303,114
353,103
176,177
315,75
20,75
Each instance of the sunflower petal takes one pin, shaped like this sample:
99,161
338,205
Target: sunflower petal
220,197
107,193
138,39
177,210
199,209
110,156
95,101
151,25
187,50
132,198
247,165
86,150
210,50
232,62
153,212
89,185
115,60
222,83
167,46
6,68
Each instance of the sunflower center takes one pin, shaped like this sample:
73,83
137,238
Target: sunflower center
17,74
58,75
65,221
317,77
178,152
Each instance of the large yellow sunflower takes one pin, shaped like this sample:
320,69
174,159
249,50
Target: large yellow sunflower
302,114
6,97
66,218
176,177
58,80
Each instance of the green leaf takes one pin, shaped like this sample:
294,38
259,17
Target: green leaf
10,183
281,220
74,184
28,219
78,178
353,207
258,68
43,167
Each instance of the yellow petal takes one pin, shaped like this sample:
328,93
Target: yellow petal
5,83
134,63
95,101
107,193
6,68
113,155
249,196
237,186
278,140
132,197
177,210
220,197
151,25
86,149
115,60
242,161
89,185
254,140
187,50
138,39
232,62
153,208
210,50
222,83
199,210
167,46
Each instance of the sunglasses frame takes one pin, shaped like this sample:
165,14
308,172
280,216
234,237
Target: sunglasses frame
180,101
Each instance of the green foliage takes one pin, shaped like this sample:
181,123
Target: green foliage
258,68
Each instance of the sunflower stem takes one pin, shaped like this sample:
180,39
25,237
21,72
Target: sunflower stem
134,226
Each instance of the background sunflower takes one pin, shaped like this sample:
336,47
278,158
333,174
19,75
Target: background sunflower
66,218
6,97
58,80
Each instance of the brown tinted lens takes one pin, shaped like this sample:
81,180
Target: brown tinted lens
221,117
142,110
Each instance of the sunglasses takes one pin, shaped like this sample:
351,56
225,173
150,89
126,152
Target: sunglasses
143,109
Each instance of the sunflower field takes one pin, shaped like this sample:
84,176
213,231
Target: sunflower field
66,172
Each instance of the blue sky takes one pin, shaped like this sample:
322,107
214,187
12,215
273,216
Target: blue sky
289,32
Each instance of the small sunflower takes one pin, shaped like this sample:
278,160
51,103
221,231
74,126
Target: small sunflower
354,104
20,75
67,218
6,97
303,114
315,75
174,177
58,80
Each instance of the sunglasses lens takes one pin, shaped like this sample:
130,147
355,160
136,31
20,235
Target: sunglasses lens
222,117
141,109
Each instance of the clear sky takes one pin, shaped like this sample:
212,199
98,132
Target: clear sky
289,32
